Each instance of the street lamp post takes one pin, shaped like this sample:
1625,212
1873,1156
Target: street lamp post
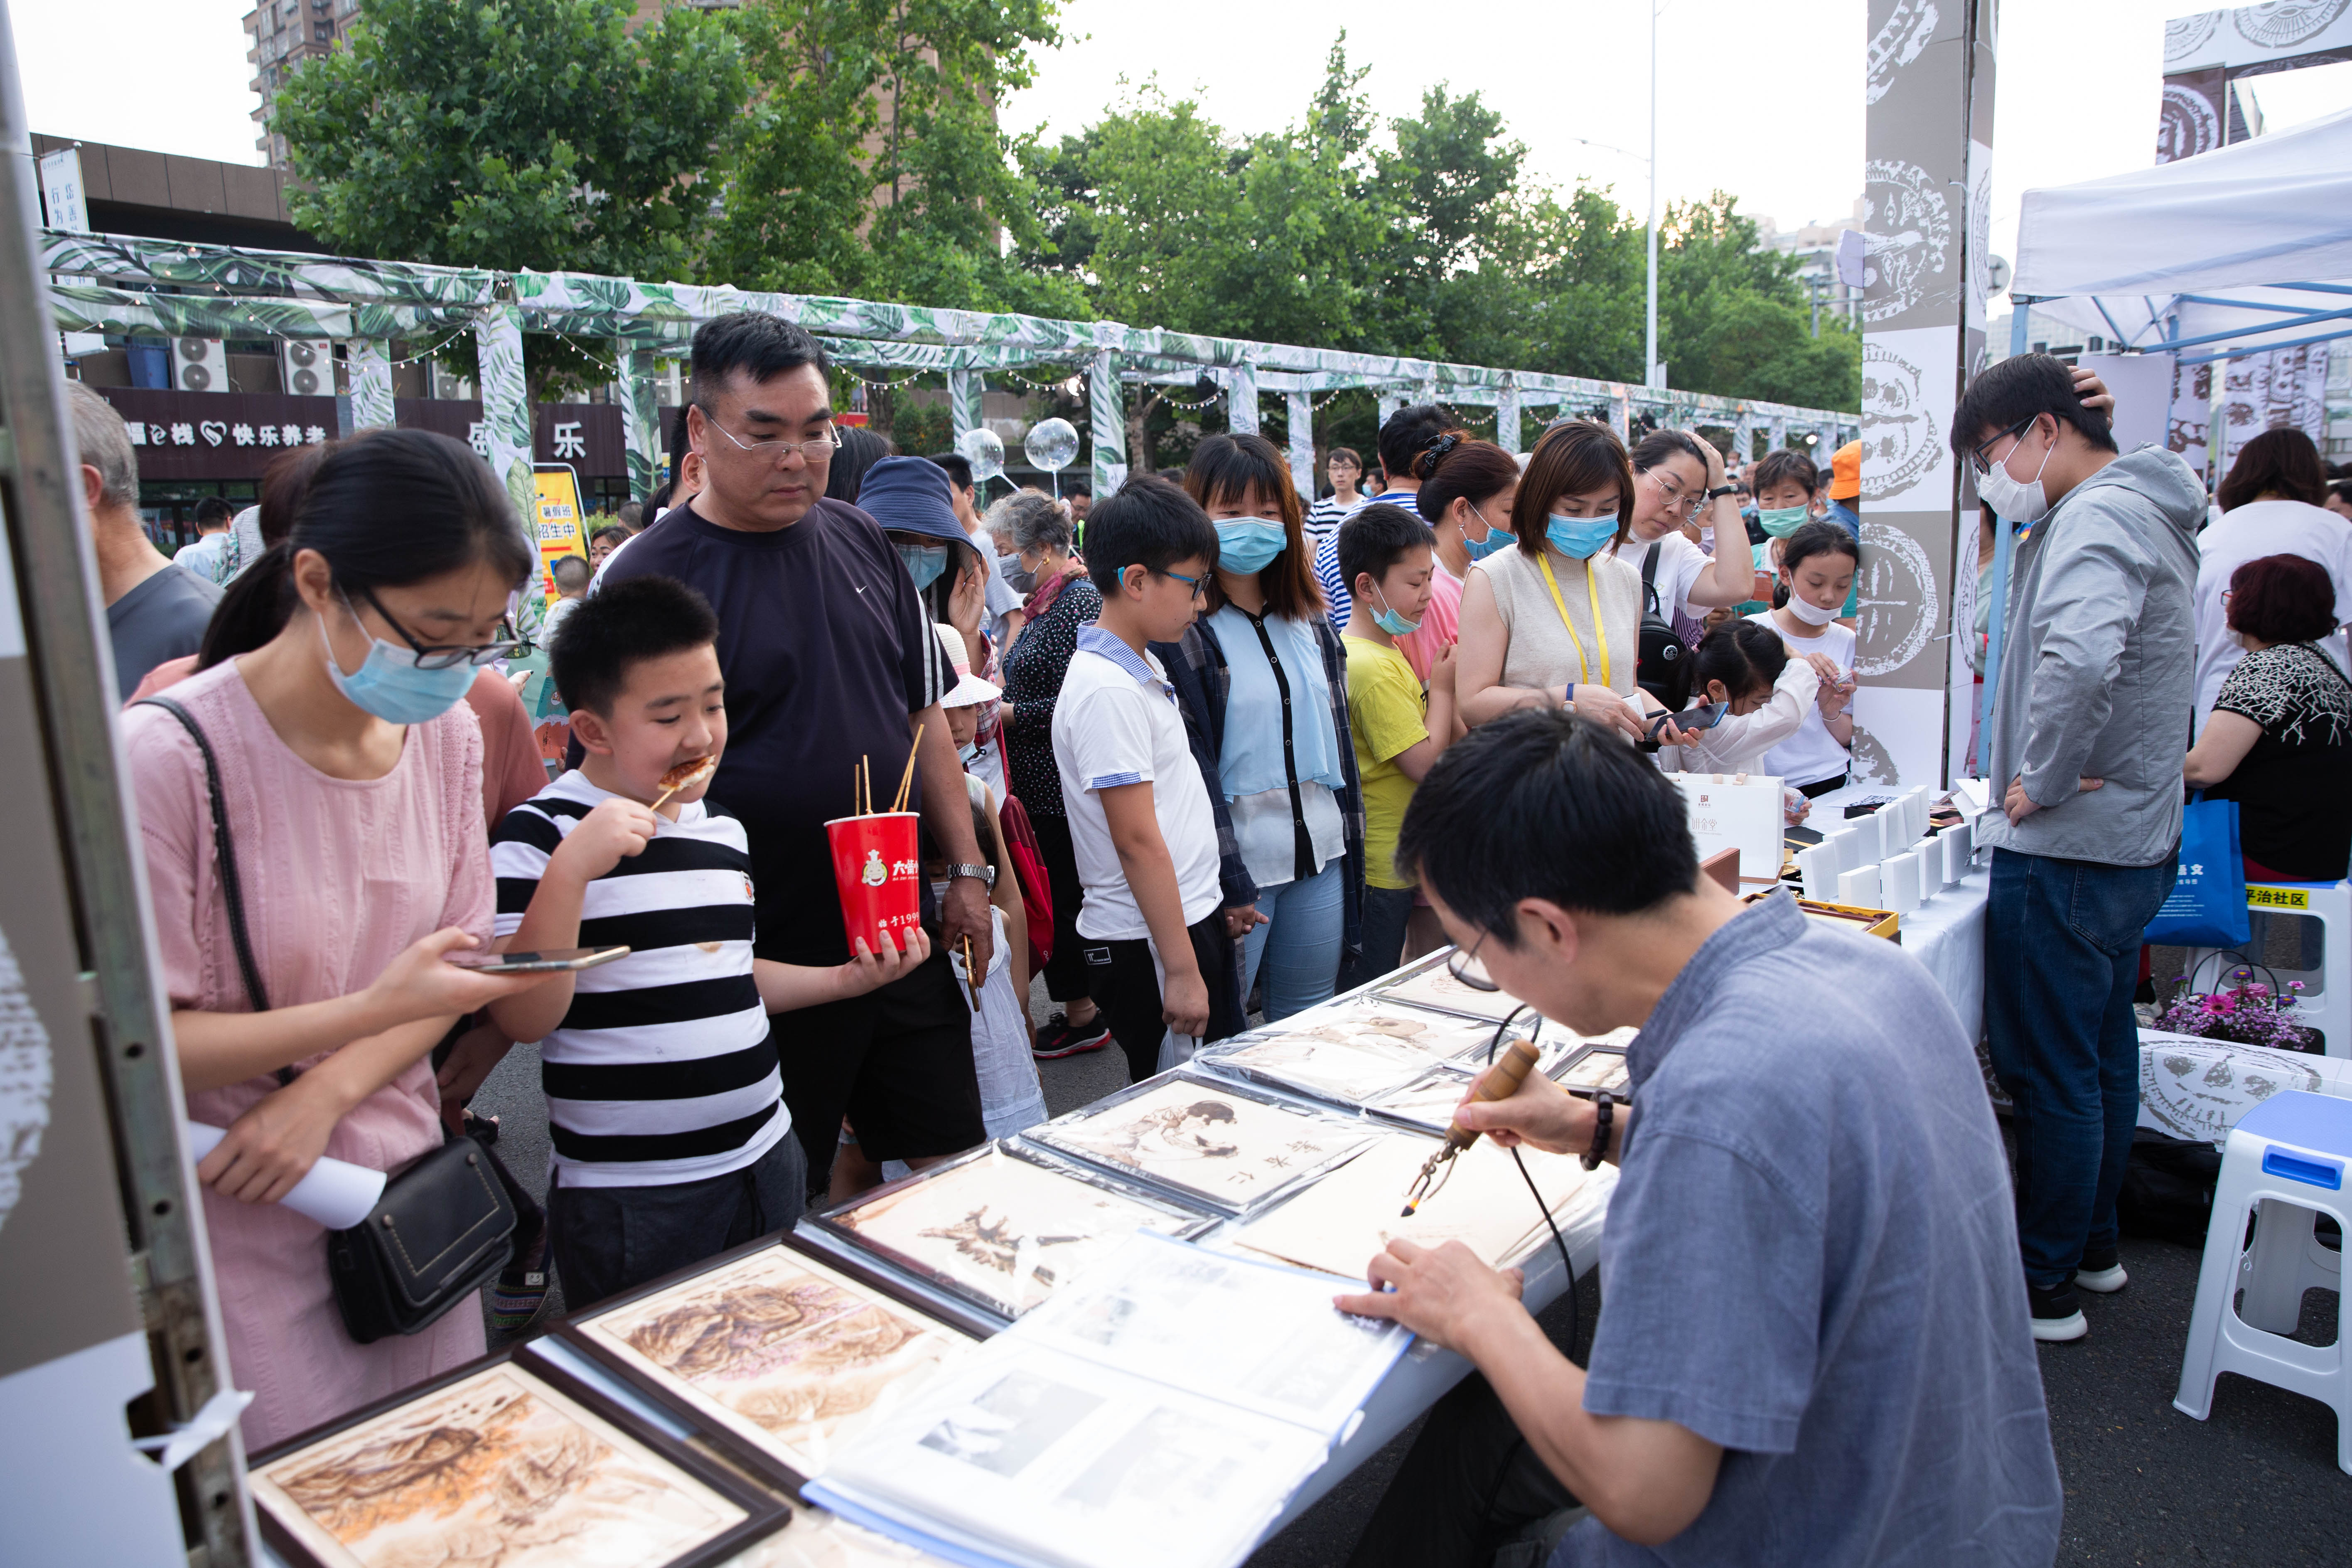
1650,337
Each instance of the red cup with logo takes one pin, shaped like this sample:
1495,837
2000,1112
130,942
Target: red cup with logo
875,865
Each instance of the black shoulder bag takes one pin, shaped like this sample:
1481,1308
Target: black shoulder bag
1660,648
443,1227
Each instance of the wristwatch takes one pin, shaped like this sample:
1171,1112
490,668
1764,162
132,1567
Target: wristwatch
1721,490
987,874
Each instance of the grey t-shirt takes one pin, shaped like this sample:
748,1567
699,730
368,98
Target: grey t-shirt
1811,1258
163,617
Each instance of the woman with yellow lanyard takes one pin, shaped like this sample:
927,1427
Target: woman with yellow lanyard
1557,621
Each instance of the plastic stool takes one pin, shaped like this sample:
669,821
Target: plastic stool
2330,1011
2287,1157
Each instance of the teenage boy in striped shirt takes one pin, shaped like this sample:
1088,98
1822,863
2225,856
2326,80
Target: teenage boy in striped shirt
665,1100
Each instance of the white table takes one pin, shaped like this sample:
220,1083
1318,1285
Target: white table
1947,932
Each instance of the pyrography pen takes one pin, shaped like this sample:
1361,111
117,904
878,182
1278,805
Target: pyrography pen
1501,1081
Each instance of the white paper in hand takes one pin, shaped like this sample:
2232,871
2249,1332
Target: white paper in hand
336,1194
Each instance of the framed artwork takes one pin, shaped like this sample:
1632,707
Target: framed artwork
787,1355
1594,1069
1207,1140
1427,1102
1430,985
500,1465
1000,1227
1352,1055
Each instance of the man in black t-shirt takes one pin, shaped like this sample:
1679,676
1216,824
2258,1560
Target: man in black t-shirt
829,659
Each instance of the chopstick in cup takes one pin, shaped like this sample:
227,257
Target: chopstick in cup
907,779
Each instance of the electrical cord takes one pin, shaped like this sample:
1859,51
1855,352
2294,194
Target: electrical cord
1575,1328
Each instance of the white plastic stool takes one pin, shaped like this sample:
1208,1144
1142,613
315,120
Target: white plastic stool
2288,1157
2330,1009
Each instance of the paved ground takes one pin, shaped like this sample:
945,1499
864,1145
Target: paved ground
2256,1484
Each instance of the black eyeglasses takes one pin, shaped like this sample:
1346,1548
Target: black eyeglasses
1464,967
442,656
1982,463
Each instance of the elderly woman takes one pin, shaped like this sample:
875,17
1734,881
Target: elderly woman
1061,600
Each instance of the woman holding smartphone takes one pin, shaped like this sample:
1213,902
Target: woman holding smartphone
350,776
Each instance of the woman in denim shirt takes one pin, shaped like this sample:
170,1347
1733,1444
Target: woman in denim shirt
1265,679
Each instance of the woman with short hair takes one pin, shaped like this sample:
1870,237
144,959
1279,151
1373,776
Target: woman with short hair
2278,740
1557,621
1061,600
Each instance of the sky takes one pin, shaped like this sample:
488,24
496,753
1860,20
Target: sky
1760,100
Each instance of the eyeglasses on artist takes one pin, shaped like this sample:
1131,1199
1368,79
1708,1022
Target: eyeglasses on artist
1457,962
511,644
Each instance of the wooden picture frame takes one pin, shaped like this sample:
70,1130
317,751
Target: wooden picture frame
452,1472
738,1436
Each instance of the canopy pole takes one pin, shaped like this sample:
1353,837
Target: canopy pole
2004,551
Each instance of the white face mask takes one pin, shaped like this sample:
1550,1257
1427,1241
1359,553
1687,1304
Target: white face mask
1812,615
2018,501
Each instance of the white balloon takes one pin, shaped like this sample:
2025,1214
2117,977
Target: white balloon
984,450
1052,445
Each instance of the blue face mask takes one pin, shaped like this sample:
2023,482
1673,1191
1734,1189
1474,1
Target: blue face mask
924,563
389,685
1581,537
1495,539
1246,545
1389,621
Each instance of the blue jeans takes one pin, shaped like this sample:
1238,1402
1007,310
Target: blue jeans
1387,912
2061,960
1300,943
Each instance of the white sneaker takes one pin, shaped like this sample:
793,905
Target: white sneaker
2056,1317
2102,1272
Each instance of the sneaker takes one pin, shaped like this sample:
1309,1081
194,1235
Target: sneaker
2057,1315
2101,1271
1059,1037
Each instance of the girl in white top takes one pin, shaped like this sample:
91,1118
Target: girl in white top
1746,665
1818,563
1676,478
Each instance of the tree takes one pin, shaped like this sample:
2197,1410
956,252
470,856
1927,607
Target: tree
1732,317
514,135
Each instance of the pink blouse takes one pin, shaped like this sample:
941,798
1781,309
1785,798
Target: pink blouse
338,876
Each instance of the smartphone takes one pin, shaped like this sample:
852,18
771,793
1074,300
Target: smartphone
1702,718
545,961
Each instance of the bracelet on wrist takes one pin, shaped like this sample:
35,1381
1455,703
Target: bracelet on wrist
1605,1108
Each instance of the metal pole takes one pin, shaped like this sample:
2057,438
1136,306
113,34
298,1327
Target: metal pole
2004,549
1650,338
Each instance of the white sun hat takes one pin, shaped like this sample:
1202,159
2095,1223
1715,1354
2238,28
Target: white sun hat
969,689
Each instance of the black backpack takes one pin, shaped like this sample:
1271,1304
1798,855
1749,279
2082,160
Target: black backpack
1660,648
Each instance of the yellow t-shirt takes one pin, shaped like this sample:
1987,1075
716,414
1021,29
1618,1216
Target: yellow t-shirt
1387,712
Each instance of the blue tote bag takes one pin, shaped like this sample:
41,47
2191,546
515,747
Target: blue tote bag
2208,906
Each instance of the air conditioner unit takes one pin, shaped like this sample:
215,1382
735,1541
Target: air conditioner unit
199,365
307,366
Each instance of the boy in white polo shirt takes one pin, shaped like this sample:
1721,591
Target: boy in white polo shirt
1156,947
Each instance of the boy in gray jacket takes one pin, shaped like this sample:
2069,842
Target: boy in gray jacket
2090,725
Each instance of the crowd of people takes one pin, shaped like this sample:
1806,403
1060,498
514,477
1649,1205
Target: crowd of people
1203,751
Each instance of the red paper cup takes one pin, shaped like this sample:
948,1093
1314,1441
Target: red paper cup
875,867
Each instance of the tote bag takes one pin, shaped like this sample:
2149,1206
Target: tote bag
2208,906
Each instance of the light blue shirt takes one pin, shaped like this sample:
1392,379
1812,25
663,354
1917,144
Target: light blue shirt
1256,782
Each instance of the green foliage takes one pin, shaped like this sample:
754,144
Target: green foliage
868,162
514,135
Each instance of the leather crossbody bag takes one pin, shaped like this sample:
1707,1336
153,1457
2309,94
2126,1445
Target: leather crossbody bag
443,1227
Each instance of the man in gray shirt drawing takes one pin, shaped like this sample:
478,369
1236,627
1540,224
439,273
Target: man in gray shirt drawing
1815,1347
2090,726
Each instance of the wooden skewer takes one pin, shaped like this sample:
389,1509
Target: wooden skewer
907,779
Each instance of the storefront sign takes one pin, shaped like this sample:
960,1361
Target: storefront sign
558,522
234,435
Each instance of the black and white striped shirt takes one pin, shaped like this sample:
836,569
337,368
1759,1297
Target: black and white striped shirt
662,1070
